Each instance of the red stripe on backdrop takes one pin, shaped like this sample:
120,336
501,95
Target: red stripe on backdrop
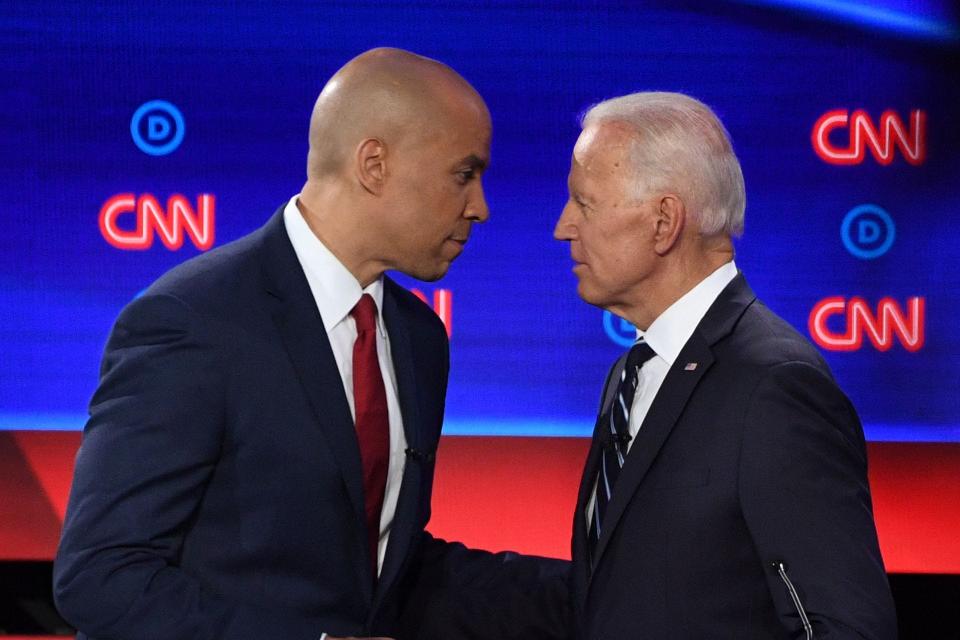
501,493
518,493
29,525
916,503
51,463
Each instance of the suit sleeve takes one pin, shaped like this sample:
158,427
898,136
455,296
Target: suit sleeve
451,592
805,497
469,594
149,448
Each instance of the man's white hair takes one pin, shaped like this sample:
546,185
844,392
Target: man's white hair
681,146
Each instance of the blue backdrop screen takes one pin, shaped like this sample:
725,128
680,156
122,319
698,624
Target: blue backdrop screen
843,115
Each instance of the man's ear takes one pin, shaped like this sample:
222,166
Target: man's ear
671,217
370,164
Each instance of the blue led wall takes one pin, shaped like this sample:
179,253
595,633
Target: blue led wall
854,243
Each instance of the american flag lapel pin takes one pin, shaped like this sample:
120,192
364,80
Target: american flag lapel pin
690,366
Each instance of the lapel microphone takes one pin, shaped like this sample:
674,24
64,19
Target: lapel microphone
419,455
608,440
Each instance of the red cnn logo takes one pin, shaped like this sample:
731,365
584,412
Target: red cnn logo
862,134
889,321
171,223
442,306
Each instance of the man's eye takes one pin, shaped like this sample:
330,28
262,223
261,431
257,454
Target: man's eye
466,176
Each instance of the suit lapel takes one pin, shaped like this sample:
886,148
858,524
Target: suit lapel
405,518
309,350
301,330
671,399
656,428
581,569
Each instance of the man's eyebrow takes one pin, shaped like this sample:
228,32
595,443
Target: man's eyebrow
474,162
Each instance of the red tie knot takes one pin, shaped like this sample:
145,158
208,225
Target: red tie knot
365,314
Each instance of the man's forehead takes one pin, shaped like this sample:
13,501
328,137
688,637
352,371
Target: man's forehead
472,145
470,118
457,139
602,146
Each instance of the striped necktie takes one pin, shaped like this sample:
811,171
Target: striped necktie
615,435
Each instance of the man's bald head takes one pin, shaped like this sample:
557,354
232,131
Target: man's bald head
398,145
389,94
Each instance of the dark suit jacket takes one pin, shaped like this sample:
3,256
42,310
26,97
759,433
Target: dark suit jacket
752,458
218,491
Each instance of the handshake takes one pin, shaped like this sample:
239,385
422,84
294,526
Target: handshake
258,459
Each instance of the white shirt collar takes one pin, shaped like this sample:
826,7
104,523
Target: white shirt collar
673,328
334,288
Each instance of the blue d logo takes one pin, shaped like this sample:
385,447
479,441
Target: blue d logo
157,127
868,231
619,330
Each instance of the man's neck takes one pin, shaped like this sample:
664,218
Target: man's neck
337,225
663,290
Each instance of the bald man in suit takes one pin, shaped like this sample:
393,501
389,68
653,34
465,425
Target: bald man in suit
258,461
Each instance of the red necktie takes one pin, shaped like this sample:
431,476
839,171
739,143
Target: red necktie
372,419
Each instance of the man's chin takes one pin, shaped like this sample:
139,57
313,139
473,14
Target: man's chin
430,273
589,295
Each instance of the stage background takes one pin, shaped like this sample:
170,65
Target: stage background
81,128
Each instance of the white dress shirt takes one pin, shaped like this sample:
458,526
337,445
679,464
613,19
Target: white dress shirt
667,336
336,292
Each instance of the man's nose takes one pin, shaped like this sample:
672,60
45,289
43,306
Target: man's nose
477,205
564,230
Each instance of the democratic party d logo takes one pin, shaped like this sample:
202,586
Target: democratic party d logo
157,127
868,231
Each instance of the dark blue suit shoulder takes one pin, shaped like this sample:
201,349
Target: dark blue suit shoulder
213,282
763,339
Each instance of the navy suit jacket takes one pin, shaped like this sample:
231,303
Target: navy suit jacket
218,490
749,458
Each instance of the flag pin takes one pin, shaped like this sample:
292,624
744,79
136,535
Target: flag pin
690,366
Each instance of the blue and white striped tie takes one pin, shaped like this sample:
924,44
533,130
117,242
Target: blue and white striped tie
615,436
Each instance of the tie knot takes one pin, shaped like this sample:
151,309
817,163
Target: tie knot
639,353
365,313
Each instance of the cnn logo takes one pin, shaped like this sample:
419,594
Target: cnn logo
881,139
890,322
171,223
